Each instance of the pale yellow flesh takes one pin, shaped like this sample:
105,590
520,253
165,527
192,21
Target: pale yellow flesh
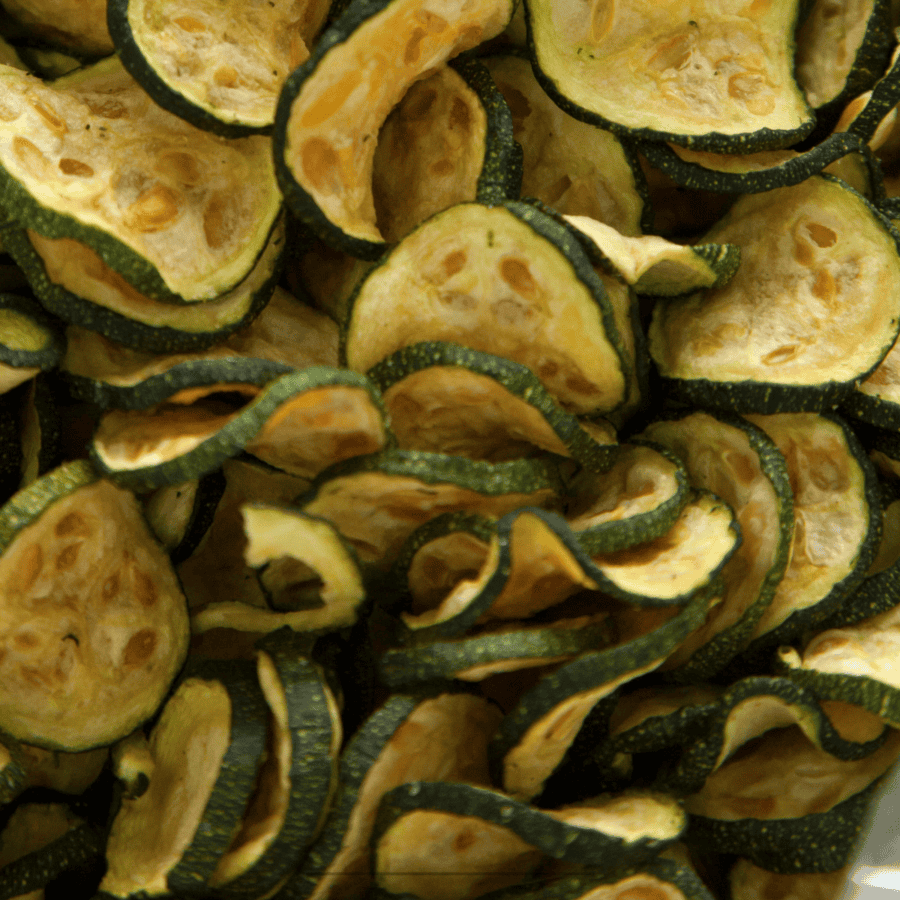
793,313
77,24
442,564
749,882
336,116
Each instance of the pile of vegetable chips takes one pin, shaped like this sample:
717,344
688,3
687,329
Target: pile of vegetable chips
450,450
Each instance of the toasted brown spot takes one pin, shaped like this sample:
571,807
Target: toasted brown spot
742,466
144,588
460,115
70,166
226,76
580,385
155,209
67,557
821,234
108,108
458,300
517,275
442,167
50,117
642,893
29,154
432,21
547,369
321,165
454,262
413,49
781,355
217,220
28,570
72,524
825,287
140,647
464,840
752,807
516,101
25,640
110,587
510,311
417,103
189,24
182,167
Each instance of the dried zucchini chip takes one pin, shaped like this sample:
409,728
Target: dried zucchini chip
506,280
688,72
750,882
428,832
331,108
240,54
377,501
810,310
301,422
180,214
534,737
29,341
787,805
449,140
653,265
637,500
574,167
95,623
74,283
738,461
68,773
308,575
74,25
441,737
205,748
837,523
104,372
450,399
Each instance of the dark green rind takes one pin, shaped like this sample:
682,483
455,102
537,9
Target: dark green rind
553,837
312,771
237,773
502,166
875,696
46,409
696,177
609,537
876,411
813,616
133,59
710,659
13,776
47,357
158,388
816,842
138,335
747,142
592,671
210,489
876,594
37,869
356,759
514,377
237,433
885,96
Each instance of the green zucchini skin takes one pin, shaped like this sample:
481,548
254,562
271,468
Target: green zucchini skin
147,77
885,96
49,356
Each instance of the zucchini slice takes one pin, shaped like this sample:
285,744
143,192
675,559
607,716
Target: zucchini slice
30,342
448,141
332,107
750,882
450,399
219,66
406,740
691,72
72,282
301,422
775,338
428,832
73,25
94,621
491,279
571,166
637,500
655,266
377,501
308,575
738,461
837,522
180,214
107,373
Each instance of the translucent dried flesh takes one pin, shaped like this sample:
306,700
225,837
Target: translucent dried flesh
685,67
93,619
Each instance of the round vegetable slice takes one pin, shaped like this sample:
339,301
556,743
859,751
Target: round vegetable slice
94,622
29,341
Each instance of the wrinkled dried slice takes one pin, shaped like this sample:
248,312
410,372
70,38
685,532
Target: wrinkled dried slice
573,167
240,54
301,422
750,882
68,773
29,341
376,502
656,266
786,804
308,575
837,522
446,398
105,372
443,737
72,24
776,337
181,214
204,748
534,737
94,621
492,279
741,464
73,283
439,840
449,140
646,70
332,107
637,500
